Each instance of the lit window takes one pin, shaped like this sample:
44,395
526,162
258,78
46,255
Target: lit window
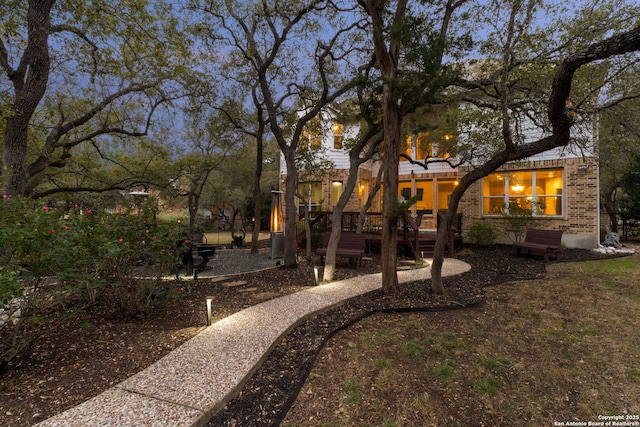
536,193
445,188
405,148
336,192
404,191
424,146
441,144
447,145
311,193
338,135
311,137
424,191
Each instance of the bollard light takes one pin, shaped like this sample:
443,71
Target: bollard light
315,273
209,300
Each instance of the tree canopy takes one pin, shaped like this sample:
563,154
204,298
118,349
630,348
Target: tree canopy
90,93
77,76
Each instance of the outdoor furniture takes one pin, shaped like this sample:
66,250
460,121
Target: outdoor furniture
207,251
193,258
544,242
350,245
198,238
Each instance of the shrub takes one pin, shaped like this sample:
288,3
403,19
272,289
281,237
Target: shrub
516,223
54,262
482,233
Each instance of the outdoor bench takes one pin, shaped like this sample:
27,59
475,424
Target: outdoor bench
350,245
544,242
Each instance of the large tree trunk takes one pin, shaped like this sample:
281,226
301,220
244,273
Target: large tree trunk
561,123
257,197
291,212
387,59
30,84
609,203
443,236
391,147
336,221
14,156
194,204
365,208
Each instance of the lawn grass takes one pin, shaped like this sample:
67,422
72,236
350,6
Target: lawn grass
536,353
223,237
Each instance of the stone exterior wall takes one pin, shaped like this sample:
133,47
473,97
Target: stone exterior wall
580,219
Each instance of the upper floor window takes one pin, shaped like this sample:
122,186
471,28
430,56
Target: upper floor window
405,148
311,137
429,145
530,192
447,144
338,135
424,146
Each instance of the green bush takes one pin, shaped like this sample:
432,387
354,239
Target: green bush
482,233
54,264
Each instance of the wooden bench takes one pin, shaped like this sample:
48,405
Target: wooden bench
350,245
541,241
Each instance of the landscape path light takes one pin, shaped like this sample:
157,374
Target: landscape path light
209,301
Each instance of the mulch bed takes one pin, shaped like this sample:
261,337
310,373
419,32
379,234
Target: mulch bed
79,357
267,396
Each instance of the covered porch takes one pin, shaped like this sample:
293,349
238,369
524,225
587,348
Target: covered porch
416,242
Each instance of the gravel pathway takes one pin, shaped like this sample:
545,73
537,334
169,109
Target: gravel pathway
235,261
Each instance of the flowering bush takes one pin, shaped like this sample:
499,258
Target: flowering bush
53,261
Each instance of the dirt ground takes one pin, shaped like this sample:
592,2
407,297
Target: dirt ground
79,358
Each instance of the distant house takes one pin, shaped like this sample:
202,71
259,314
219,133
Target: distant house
555,190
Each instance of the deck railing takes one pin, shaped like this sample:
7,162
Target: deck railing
419,241
321,221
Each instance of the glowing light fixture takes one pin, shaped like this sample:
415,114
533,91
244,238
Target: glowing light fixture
276,212
208,303
517,187
276,226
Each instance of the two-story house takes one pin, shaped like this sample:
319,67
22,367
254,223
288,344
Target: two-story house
557,189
